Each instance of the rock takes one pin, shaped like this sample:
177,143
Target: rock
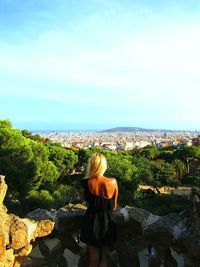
19,234
5,220
164,230
7,259
20,257
2,240
42,214
16,233
22,231
44,228
3,189
137,228
172,230
69,218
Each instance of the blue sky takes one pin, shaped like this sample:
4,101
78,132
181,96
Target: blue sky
95,64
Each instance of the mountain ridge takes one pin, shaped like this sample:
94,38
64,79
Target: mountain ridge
140,129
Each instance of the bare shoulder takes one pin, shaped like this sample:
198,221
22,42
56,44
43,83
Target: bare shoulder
111,180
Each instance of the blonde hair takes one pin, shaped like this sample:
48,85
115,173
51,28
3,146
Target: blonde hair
97,165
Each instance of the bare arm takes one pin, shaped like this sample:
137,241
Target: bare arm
115,195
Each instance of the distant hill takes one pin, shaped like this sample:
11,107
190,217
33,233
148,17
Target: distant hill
136,129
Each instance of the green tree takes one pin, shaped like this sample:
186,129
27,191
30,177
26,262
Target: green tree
62,158
144,167
35,137
65,194
24,162
26,133
39,199
163,174
189,154
5,124
179,167
121,168
150,152
166,155
83,157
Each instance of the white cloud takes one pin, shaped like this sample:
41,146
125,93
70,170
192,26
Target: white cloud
171,53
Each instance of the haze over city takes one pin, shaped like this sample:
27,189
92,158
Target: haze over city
90,64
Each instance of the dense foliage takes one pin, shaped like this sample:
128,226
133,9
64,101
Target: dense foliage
43,174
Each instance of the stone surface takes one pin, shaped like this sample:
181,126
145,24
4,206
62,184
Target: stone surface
137,230
3,189
44,228
21,256
42,214
7,259
16,233
19,234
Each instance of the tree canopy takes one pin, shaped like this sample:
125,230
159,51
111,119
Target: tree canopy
40,173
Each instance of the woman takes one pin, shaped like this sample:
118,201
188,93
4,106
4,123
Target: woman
99,228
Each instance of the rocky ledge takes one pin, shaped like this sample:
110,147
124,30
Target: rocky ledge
137,229
18,234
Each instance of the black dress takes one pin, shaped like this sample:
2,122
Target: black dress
98,227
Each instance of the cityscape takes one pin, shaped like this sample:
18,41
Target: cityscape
123,140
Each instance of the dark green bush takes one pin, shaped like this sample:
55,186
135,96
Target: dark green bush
190,180
162,204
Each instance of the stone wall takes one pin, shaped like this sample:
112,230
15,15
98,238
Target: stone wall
137,229
17,235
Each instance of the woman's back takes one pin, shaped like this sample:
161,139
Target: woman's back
103,186
99,227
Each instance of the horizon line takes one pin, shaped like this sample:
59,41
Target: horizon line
107,129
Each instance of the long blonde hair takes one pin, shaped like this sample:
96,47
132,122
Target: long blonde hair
97,165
